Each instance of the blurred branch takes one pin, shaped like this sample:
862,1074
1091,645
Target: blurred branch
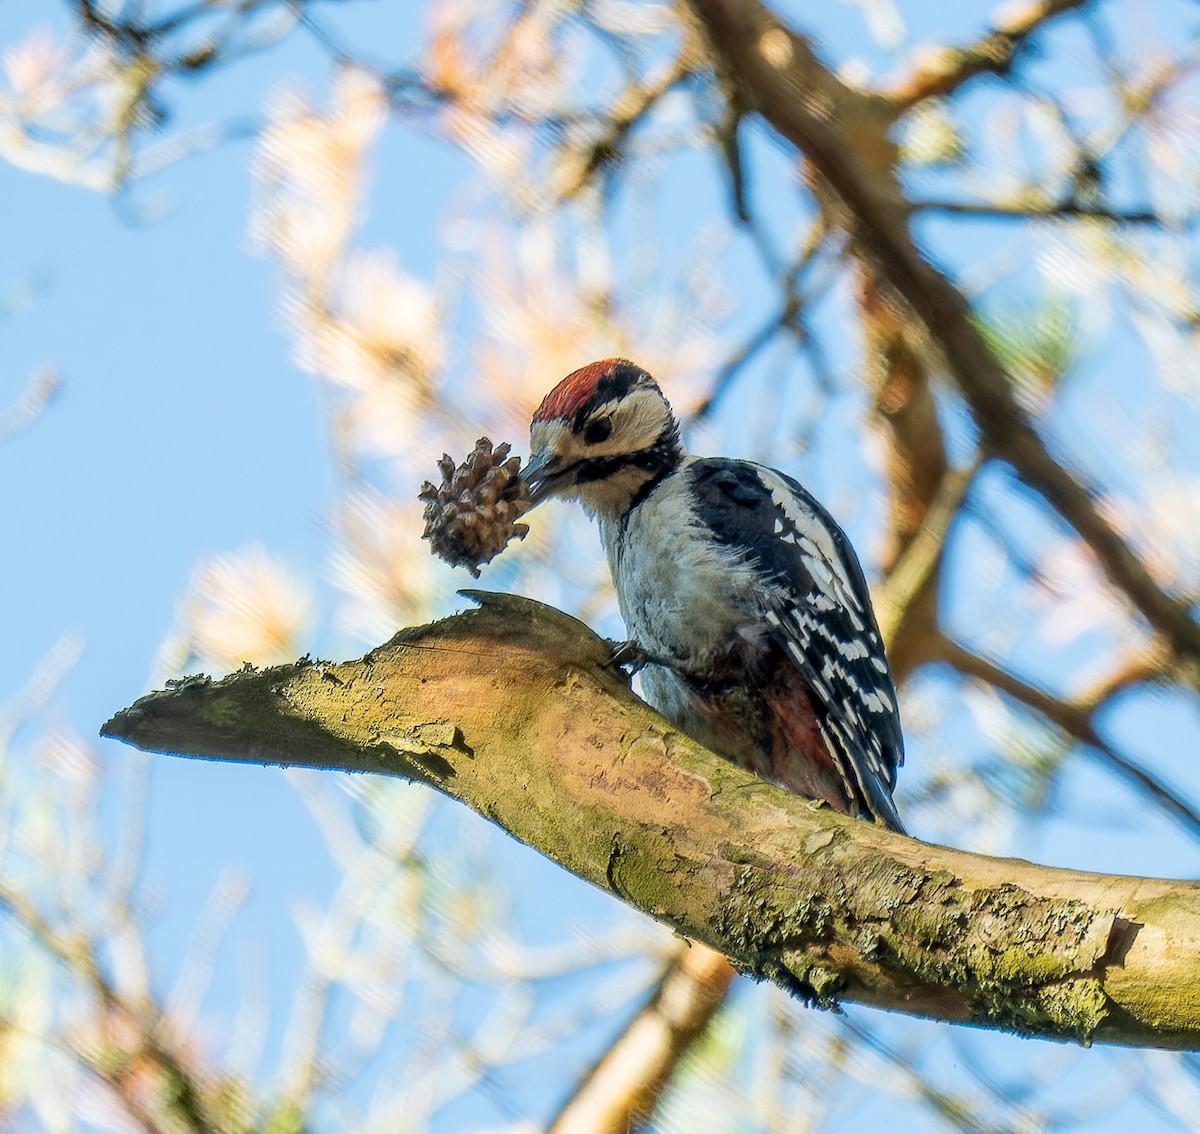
994,54
513,710
619,1092
900,374
788,317
1028,211
843,133
922,503
634,105
741,357
918,564
1150,664
957,1110
175,1104
1076,720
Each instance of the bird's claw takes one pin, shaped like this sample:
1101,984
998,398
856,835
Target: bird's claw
628,657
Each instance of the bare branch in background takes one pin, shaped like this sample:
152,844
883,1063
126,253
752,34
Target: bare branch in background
1078,721
620,1092
778,74
1024,211
947,69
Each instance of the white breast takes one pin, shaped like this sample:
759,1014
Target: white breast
683,596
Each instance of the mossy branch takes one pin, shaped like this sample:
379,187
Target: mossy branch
511,709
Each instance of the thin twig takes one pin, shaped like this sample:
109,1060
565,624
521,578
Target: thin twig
994,54
1017,211
1077,721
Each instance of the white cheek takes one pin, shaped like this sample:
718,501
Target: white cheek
640,419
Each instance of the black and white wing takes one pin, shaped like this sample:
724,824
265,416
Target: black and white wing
815,602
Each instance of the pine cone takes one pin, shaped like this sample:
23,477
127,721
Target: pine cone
472,514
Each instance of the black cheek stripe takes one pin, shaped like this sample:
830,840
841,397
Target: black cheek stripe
659,460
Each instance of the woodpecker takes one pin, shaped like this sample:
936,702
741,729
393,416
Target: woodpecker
738,589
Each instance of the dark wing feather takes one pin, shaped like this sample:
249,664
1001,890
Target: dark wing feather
816,604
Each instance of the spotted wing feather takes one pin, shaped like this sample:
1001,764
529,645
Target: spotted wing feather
815,603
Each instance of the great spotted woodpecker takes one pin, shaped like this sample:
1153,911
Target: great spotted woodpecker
739,589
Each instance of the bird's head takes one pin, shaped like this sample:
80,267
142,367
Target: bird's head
604,434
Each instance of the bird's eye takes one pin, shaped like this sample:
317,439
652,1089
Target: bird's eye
598,430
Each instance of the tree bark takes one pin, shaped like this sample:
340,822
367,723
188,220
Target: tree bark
512,710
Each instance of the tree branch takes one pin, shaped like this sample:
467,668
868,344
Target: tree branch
1032,211
172,1098
619,1093
994,54
512,710
844,134
1076,720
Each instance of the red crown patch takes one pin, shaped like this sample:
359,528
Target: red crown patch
598,381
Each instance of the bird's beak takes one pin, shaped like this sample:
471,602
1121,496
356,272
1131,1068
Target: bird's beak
543,475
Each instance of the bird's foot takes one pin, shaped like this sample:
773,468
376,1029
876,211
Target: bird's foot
630,658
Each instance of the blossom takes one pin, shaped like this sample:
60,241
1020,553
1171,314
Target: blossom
308,173
246,607
36,73
384,568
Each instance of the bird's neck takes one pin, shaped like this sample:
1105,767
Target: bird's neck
611,498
